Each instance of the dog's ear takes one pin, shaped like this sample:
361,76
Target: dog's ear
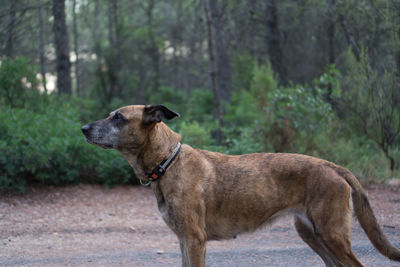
157,113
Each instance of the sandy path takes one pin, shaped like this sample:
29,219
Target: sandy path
87,225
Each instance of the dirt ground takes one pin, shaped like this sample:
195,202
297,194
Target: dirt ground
87,225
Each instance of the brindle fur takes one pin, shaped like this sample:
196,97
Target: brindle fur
206,195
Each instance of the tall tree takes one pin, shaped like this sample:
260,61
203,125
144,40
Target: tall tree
331,30
41,47
396,39
152,50
76,50
349,37
331,38
273,37
218,18
9,49
114,35
63,64
213,73
176,31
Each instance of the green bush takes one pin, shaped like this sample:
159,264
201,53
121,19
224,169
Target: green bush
264,82
48,147
242,112
41,141
194,134
301,110
18,83
200,106
244,140
242,71
243,123
175,100
370,103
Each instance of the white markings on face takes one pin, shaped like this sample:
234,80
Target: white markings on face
114,130
105,133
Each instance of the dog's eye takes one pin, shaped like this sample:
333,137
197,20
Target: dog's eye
118,117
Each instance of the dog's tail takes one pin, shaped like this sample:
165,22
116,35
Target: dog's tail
366,217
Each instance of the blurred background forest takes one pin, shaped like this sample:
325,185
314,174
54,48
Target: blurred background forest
304,76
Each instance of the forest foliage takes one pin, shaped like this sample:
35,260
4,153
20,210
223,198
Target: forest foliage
313,77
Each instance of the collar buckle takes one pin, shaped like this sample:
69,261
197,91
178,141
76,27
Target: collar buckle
160,170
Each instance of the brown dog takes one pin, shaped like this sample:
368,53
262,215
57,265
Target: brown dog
207,195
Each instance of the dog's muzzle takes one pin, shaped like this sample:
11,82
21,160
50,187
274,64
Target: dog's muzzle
94,140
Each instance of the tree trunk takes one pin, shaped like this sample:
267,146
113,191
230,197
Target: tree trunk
349,37
274,40
252,7
114,62
331,47
153,49
397,53
75,31
63,64
9,49
118,53
111,62
115,47
41,47
221,51
385,149
104,85
331,30
213,73
111,36
97,37
176,39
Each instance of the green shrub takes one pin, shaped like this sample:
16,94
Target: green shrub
245,140
264,82
243,122
167,96
370,103
41,141
242,111
299,108
49,148
284,119
18,82
194,134
360,155
200,106
242,71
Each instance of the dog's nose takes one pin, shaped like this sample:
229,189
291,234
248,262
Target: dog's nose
85,129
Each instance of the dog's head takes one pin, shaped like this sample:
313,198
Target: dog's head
126,127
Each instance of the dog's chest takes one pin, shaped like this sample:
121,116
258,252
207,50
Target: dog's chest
166,210
163,209
168,215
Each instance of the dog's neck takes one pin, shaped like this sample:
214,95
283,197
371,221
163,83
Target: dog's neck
159,145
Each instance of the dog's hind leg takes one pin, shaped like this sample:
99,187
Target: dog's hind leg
331,213
336,235
305,229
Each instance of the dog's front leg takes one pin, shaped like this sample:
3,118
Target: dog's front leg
185,258
193,248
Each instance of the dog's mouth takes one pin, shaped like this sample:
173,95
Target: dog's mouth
105,146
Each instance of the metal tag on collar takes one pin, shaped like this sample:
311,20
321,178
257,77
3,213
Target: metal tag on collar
160,170
147,183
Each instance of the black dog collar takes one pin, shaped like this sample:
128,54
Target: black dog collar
160,170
